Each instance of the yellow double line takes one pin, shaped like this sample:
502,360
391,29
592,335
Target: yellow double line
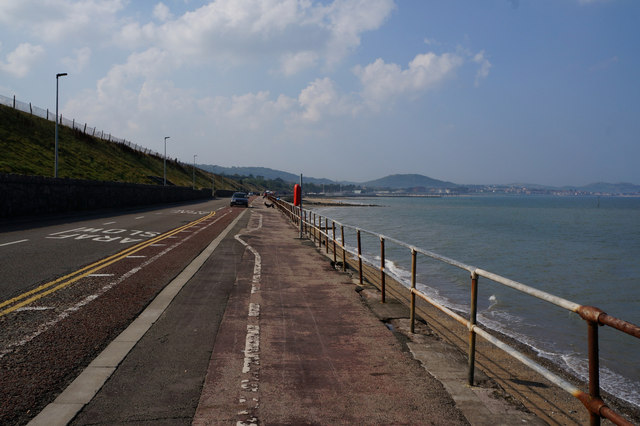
53,286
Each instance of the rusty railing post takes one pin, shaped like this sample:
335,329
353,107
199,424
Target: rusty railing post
333,227
313,228
594,369
344,250
413,288
472,323
382,274
326,229
359,256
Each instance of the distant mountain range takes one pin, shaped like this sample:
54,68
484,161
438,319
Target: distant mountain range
265,172
417,181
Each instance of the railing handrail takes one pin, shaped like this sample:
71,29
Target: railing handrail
592,315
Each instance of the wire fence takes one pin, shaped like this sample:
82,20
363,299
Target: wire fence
73,124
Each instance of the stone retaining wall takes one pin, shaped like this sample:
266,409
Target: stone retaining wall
30,195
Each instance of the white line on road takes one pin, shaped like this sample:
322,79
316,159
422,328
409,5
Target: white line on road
13,242
250,386
108,223
100,275
139,217
35,308
135,257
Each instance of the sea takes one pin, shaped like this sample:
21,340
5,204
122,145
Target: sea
585,249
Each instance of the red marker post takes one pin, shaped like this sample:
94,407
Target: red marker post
297,200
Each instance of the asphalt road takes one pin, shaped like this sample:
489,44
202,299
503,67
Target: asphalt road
38,254
69,287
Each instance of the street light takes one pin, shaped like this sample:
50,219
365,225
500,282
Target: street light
194,170
62,74
165,159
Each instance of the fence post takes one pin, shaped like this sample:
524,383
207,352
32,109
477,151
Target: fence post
594,369
47,113
413,288
472,323
313,228
333,226
326,229
14,101
359,256
382,274
344,250
30,109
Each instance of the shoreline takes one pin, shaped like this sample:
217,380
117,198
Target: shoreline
332,202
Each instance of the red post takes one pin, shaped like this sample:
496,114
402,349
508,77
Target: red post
359,256
382,274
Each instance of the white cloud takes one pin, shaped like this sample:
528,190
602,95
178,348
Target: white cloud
20,61
298,33
349,18
161,12
56,20
292,63
383,82
317,99
485,66
78,62
146,65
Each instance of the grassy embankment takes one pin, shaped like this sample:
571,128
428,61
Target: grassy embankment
27,147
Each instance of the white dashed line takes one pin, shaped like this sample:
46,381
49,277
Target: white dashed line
13,242
34,308
250,385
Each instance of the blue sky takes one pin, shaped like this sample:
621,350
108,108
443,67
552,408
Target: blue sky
473,92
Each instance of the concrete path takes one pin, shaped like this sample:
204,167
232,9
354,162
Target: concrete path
267,332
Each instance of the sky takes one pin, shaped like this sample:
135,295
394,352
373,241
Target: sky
467,91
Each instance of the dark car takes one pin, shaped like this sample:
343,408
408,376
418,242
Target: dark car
239,199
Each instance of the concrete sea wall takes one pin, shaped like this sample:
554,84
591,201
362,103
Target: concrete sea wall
30,195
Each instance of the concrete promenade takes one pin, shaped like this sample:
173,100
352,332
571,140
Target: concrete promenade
262,330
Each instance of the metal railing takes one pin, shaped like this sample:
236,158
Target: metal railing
325,234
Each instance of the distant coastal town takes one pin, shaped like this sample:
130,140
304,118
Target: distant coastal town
607,190
506,189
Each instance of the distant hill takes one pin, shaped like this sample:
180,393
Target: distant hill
403,181
265,172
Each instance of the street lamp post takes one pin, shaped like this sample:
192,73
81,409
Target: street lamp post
62,74
165,159
194,170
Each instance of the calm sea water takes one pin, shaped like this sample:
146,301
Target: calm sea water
584,249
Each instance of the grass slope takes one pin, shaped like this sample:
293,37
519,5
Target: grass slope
27,144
